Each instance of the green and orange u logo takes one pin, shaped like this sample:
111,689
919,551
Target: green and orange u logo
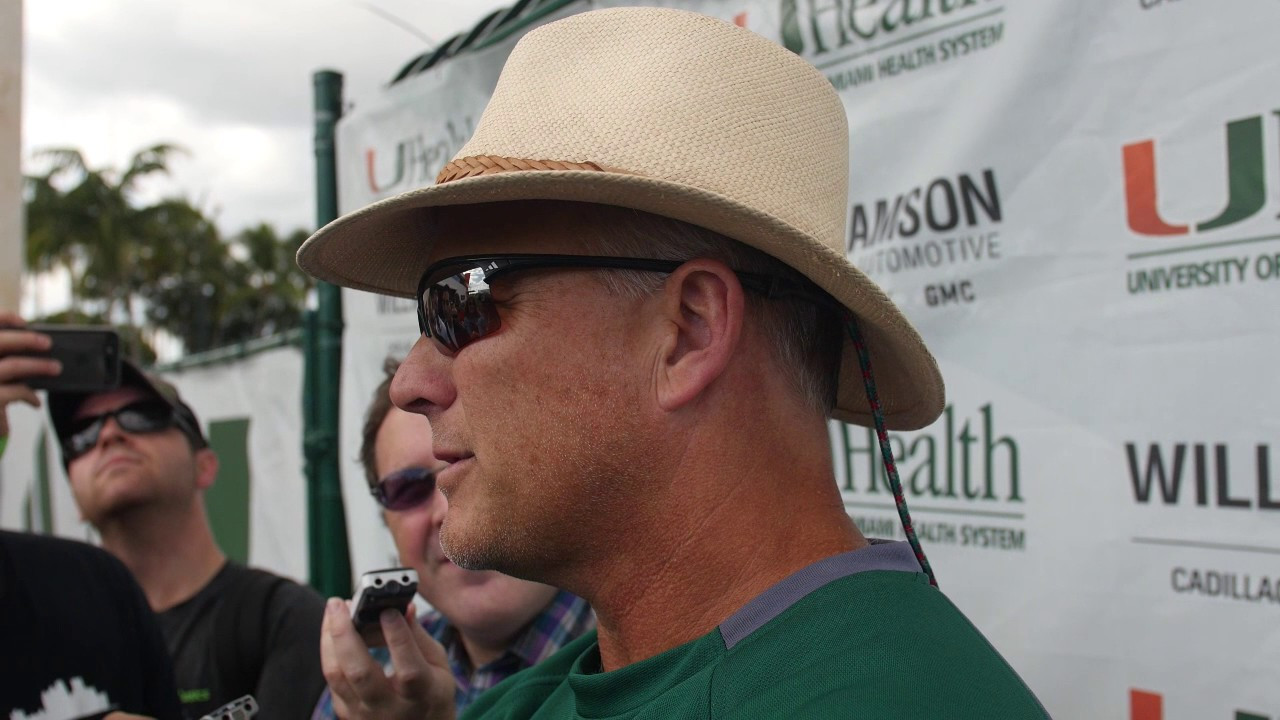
371,172
1246,182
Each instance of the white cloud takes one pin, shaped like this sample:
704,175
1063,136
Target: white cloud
230,81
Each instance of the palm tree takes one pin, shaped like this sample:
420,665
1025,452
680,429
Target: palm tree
93,228
268,290
184,273
210,293
163,264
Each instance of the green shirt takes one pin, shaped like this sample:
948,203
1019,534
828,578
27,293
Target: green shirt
858,635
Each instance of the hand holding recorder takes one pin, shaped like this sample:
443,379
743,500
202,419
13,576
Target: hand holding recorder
421,686
380,590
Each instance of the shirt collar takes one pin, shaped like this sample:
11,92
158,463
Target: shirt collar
566,617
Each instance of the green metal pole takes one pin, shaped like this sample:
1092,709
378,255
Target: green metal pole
330,557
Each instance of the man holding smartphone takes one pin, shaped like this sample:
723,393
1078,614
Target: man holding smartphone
139,465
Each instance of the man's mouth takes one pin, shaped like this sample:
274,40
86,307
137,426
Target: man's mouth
115,460
448,478
449,455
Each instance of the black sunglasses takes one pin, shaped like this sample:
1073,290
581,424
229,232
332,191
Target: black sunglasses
455,307
405,489
146,416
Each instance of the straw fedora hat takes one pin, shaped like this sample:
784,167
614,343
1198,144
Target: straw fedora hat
676,114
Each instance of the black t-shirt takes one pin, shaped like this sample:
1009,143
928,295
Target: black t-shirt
267,625
76,635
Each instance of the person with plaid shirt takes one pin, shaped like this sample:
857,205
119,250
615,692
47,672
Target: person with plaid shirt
567,617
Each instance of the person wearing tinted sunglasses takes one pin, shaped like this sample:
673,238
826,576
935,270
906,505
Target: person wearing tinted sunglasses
491,625
637,318
139,466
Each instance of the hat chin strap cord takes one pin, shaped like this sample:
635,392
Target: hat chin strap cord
891,468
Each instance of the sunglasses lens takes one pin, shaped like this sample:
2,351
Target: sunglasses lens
83,438
459,309
142,417
145,417
405,489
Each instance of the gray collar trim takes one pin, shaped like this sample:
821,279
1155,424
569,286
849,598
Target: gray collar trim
880,555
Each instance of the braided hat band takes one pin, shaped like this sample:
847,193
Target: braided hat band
475,165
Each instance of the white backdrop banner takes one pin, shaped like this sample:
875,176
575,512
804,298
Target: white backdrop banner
1076,204
251,410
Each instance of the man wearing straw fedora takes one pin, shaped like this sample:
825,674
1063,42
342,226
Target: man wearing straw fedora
636,320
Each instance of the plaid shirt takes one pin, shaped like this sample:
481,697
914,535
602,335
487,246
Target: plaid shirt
567,617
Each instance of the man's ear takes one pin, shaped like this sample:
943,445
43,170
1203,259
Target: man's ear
702,301
206,468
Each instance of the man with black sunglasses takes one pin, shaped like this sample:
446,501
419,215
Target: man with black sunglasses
647,235
139,465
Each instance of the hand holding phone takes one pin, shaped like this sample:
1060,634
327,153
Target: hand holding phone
90,358
390,589
17,367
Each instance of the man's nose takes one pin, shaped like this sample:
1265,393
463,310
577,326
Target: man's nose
424,384
110,432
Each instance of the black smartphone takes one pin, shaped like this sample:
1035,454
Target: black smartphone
391,589
90,357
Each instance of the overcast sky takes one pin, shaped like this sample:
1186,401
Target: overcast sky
228,80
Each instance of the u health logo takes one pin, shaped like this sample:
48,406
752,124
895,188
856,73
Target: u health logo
416,159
